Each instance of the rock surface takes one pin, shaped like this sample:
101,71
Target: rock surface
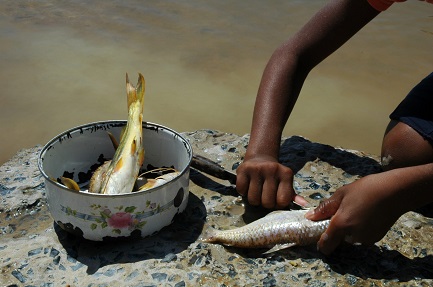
36,252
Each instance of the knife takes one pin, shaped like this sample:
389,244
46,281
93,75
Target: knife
210,167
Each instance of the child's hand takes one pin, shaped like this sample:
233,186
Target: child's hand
267,182
362,212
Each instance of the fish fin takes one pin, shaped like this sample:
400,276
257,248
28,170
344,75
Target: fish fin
70,183
278,247
98,177
141,157
130,92
133,147
141,88
284,210
119,164
135,94
113,140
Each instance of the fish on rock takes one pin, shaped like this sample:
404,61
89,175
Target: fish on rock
277,230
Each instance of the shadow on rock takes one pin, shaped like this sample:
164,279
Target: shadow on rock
364,262
296,151
164,245
378,263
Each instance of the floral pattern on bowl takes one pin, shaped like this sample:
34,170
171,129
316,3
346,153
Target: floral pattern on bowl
122,217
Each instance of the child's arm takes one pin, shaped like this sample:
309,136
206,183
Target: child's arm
261,177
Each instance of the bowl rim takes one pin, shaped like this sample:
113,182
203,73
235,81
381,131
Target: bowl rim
66,134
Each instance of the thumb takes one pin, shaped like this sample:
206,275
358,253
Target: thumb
325,210
330,239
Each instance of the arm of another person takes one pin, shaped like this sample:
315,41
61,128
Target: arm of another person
260,176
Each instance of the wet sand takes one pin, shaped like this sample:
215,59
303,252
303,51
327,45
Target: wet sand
64,65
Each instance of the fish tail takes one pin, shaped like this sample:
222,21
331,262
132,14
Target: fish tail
135,94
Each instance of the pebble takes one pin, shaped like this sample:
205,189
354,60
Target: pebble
169,257
17,274
54,252
35,251
316,196
159,277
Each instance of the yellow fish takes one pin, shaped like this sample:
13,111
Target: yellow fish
118,175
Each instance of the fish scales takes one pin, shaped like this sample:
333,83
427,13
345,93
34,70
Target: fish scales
279,227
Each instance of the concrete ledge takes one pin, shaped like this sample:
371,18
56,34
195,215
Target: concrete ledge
36,252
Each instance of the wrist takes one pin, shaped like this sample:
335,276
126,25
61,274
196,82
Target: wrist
413,187
260,157
263,145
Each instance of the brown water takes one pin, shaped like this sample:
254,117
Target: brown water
63,64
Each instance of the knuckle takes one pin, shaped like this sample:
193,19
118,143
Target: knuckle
324,206
272,168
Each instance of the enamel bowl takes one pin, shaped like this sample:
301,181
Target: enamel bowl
75,154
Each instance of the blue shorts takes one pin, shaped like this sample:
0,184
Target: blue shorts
416,110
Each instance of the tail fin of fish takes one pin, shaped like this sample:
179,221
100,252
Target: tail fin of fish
135,94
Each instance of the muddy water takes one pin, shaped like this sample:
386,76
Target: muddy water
63,64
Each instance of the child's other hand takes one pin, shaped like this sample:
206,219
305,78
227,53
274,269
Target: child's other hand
362,212
266,182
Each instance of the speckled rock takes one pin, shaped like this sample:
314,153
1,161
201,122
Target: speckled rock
36,252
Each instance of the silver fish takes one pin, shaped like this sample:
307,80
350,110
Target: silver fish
277,230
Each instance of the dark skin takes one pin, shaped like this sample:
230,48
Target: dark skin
354,208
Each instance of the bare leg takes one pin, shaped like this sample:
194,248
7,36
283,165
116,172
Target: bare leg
403,146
